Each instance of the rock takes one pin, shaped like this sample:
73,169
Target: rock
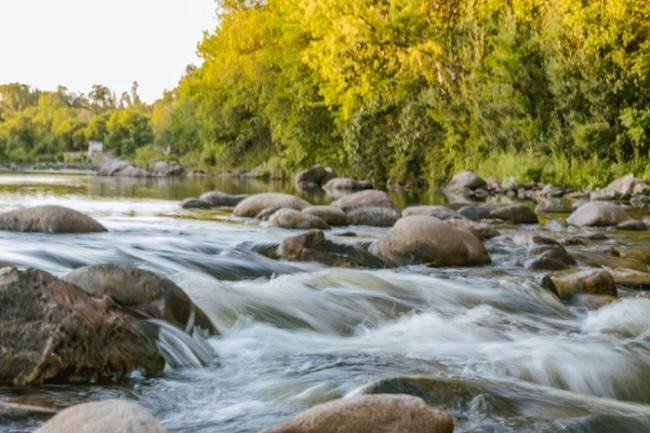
19,408
466,179
390,413
293,219
440,212
481,230
640,254
632,279
254,204
515,213
332,215
221,199
266,213
551,191
632,225
314,177
551,206
620,189
599,259
594,282
51,331
373,216
108,416
347,184
365,198
195,203
314,247
474,213
427,240
142,293
510,184
167,169
49,219
598,213
112,167
117,167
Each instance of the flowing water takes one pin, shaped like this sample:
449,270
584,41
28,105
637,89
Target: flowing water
503,354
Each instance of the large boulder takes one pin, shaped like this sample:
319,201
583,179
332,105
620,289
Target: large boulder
427,240
141,292
293,219
314,177
593,282
49,219
365,198
389,413
373,216
332,215
108,416
51,331
254,204
346,184
221,199
466,180
314,247
620,189
598,213
515,213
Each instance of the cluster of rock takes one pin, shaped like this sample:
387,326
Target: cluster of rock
122,168
87,326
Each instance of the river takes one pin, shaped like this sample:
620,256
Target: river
510,356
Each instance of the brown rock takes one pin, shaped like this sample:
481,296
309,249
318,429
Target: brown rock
141,292
427,240
254,204
292,219
332,215
365,198
594,282
51,331
390,413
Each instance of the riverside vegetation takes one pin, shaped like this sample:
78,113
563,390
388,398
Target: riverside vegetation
404,92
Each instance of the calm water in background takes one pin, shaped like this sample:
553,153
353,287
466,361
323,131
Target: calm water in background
296,334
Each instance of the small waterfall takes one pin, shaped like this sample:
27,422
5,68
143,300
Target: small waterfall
181,349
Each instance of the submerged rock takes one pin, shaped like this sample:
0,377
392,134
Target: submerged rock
427,240
598,213
314,177
143,293
254,204
108,416
373,216
332,215
552,206
347,184
516,213
51,331
293,219
49,219
474,213
195,203
221,199
594,282
440,212
632,225
390,413
313,246
365,198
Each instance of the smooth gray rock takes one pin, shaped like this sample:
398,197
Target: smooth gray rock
221,199
49,219
373,216
293,219
517,214
365,198
107,416
466,179
598,213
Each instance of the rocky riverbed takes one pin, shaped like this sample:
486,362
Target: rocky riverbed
258,305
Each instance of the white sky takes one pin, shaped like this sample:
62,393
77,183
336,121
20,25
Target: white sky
78,43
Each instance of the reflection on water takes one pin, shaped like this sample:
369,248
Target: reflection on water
500,354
